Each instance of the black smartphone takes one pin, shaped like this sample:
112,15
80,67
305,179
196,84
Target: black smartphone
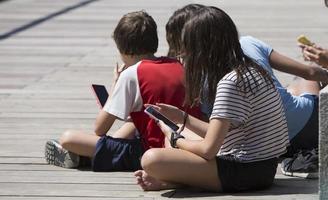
153,113
100,93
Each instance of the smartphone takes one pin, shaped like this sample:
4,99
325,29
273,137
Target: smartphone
153,113
101,94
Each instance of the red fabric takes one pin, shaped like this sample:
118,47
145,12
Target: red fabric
160,81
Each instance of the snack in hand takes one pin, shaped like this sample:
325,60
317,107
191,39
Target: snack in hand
304,40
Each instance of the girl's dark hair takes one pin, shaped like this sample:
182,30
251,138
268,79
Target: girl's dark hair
136,34
174,27
210,50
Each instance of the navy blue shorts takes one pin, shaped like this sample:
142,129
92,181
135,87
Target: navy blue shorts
117,154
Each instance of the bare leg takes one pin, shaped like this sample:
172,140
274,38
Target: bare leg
149,183
168,167
304,86
79,142
84,144
127,131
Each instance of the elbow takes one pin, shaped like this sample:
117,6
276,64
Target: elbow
98,132
103,123
311,74
98,128
208,154
208,151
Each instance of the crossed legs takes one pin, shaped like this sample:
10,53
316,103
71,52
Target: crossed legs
166,168
84,144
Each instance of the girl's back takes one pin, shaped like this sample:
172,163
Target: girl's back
258,129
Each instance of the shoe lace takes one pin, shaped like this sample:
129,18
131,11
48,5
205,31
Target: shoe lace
310,155
304,160
61,154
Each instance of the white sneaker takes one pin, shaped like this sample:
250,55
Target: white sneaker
55,154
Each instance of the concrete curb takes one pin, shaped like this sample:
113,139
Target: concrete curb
323,141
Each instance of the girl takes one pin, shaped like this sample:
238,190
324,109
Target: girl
247,130
300,99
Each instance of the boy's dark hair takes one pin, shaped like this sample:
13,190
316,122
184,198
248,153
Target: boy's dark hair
136,34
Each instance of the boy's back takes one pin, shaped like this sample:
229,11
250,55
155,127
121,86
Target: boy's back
148,82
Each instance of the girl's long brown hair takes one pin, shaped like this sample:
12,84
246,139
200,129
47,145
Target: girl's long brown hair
210,50
174,27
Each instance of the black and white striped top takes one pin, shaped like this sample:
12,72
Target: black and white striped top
258,126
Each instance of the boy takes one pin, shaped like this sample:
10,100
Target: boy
146,80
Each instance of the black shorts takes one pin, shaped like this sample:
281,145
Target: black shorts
238,177
308,137
117,154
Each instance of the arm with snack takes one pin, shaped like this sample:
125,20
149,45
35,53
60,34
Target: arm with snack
312,52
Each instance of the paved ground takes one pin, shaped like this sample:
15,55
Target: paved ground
50,53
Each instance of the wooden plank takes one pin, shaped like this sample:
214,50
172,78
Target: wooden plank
46,51
71,176
30,168
70,189
68,53
22,160
37,197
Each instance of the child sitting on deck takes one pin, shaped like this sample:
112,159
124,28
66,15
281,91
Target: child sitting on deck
146,80
247,130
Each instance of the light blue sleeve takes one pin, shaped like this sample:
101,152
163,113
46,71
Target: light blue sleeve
297,108
257,51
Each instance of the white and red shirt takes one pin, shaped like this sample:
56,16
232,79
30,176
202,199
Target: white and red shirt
148,82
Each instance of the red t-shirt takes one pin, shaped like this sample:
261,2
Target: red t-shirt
149,82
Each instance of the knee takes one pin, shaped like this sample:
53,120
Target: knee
151,160
67,138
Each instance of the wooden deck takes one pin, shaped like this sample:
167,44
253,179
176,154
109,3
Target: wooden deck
50,53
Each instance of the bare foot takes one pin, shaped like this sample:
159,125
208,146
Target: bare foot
148,183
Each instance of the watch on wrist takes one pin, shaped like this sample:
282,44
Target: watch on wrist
174,137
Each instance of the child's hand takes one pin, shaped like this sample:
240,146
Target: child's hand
118,70
316,54
165,129
171,112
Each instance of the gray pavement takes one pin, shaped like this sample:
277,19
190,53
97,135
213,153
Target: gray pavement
50,53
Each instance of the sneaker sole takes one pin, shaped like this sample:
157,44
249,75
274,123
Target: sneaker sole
50,149
50,155
311,175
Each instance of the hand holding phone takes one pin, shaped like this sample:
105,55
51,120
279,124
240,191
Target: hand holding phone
100,93
153,113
